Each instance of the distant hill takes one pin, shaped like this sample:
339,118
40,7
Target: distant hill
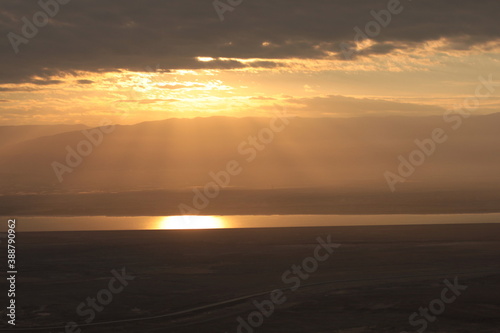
309,152
15,134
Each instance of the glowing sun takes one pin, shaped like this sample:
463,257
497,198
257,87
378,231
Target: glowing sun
191,222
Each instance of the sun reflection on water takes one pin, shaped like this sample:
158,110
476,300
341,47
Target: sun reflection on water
191,222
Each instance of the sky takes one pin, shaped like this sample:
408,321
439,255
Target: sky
81,61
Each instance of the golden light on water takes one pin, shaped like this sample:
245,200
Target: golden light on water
191,222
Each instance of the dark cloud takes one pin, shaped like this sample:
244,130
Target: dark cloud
45,82
19,89
264,64
110,35
382,48
85,81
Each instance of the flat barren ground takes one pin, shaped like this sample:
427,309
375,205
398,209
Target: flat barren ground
374,282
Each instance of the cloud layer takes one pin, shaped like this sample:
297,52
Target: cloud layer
109,35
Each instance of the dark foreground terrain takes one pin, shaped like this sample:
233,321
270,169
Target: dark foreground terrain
373,282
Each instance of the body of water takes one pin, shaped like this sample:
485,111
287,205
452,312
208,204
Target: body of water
81,223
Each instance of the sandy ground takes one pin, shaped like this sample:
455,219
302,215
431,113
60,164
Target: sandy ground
373,282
